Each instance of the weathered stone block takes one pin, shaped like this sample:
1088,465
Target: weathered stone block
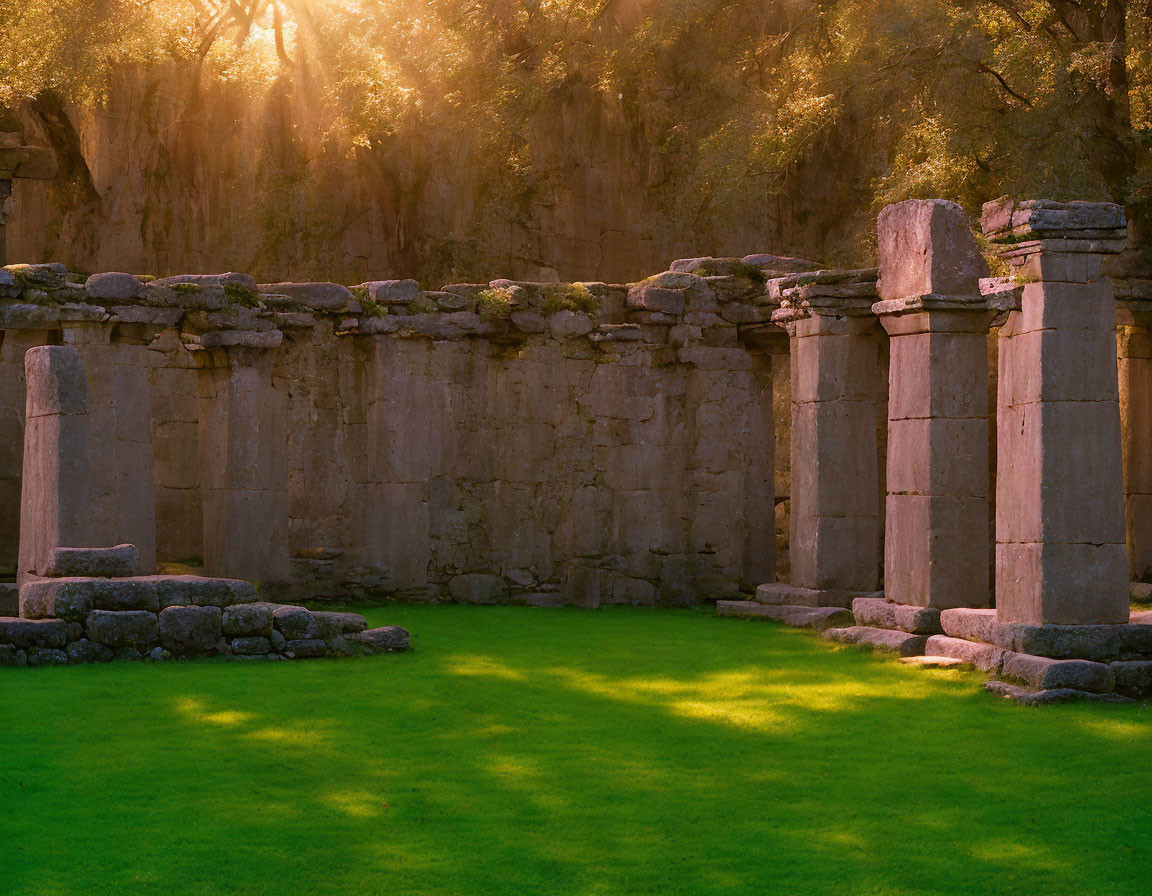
12,656
782,594
1133,677
936,550
334,624
133,629
295,623
879,613
902,643
251,646
1044,673
85,651
113,286
248,619
926,246
47,656
25,633
819,618
1062,584
388,639
120,561
298,649
190,630
986,657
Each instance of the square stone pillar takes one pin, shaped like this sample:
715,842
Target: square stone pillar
1060,543
55,499
838,389
936,525
14,343
243,457
1134,367
122,507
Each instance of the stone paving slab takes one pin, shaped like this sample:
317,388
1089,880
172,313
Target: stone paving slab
819,618
903,643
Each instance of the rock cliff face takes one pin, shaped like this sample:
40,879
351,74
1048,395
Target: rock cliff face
169,177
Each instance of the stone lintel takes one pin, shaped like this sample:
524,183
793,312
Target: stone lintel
798,305
1014,220
934,314
776,287
27,316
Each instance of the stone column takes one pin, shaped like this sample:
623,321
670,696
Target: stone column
243,457
14,342
1134,366
936,526
54,501
1060,551
123,506
838,389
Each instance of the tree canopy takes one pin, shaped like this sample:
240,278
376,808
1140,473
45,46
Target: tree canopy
743,102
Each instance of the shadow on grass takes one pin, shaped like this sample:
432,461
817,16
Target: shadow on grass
521,751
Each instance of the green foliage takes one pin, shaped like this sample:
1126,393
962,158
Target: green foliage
569,297
186,289
241,295
720,267
796,118
369,307
505,755
496,302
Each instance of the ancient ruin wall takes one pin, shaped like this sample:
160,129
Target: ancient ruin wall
506,442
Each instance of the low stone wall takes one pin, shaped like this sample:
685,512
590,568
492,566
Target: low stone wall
535,443
111,615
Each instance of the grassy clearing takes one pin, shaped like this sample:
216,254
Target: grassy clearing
529,751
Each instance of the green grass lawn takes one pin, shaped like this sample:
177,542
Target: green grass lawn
525,751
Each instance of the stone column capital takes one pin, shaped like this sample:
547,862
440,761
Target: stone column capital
934,314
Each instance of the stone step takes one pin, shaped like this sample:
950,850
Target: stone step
985,657
110,563
904,643
1027,697
74,597
879,613
818,618
1101,643
781,593
1038,672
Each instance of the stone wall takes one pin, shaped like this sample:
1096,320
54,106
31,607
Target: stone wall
553,444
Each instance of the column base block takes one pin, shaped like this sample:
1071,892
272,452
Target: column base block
879,613
1099,643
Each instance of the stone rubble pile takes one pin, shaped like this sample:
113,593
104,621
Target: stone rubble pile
94,608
